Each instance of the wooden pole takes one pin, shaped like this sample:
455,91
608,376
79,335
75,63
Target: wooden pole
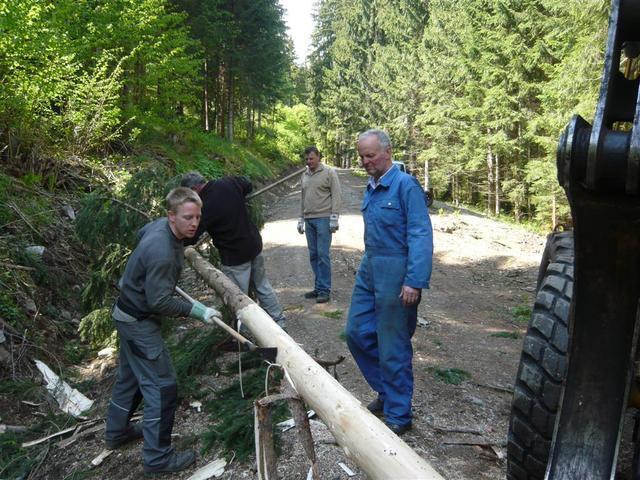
377,450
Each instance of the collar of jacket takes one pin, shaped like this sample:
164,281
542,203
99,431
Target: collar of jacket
319,169
386,179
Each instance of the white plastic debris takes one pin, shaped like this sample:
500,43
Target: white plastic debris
423,323
214,469
35,250
346,469
289,424
106,352
68,211
70,400
196,405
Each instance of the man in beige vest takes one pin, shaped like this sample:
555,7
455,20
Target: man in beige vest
320,209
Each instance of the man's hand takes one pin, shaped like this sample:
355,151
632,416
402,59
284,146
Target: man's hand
333,223
301,226
206,314
409,295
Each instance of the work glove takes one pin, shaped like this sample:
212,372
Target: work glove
301,226
333,223
206,314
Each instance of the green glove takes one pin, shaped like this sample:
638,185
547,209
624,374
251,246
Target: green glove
199,311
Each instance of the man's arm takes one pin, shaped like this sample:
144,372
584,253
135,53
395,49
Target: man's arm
419,238
160,283
336,193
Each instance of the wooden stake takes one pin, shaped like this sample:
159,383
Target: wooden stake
265,449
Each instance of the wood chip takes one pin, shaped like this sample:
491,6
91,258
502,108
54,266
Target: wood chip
100,458
213,469
44,439
346,469
68,441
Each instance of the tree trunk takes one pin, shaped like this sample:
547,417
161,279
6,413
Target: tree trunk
490,174
497,184
377,451
205,96
230,86
426,175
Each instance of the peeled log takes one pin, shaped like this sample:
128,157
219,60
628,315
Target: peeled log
377,450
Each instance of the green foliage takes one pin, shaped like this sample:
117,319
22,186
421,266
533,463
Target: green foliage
478,91
15,461
233,415
521,313
195,353
75,352
452,376
9,311
337,314
512,335
24,389
107,216
105,272
73,82
289,136
97,329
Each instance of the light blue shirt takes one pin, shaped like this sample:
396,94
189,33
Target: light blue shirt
397,223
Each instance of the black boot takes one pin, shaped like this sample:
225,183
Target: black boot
177,461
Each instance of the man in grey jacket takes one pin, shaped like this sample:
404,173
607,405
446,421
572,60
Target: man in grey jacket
320,209
145,368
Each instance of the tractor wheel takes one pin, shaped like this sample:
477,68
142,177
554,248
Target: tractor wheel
559,245
543,364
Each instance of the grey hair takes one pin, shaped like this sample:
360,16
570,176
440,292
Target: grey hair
192,179
381,135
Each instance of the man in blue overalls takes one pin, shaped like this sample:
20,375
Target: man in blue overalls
395,267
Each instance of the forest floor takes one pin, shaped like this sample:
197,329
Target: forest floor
466,348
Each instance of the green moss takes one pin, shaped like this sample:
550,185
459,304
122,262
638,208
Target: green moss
452,376
512,335
337,314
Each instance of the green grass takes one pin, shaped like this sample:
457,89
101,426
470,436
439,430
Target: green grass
512,335
521,313
451,376
337,314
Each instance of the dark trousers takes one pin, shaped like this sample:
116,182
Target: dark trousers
145,371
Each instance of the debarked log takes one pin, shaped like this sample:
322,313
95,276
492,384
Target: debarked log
377,450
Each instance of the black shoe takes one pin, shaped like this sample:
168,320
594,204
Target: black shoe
322,298
399,429
311,294
177,461
134,432
376,407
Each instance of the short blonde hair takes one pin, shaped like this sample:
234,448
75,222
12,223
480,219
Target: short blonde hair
181,195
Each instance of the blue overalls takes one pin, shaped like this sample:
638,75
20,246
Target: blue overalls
398,249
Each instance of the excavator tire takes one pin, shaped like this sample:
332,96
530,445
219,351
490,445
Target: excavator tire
559,244
543,364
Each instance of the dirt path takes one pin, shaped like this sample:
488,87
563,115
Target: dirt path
483,272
